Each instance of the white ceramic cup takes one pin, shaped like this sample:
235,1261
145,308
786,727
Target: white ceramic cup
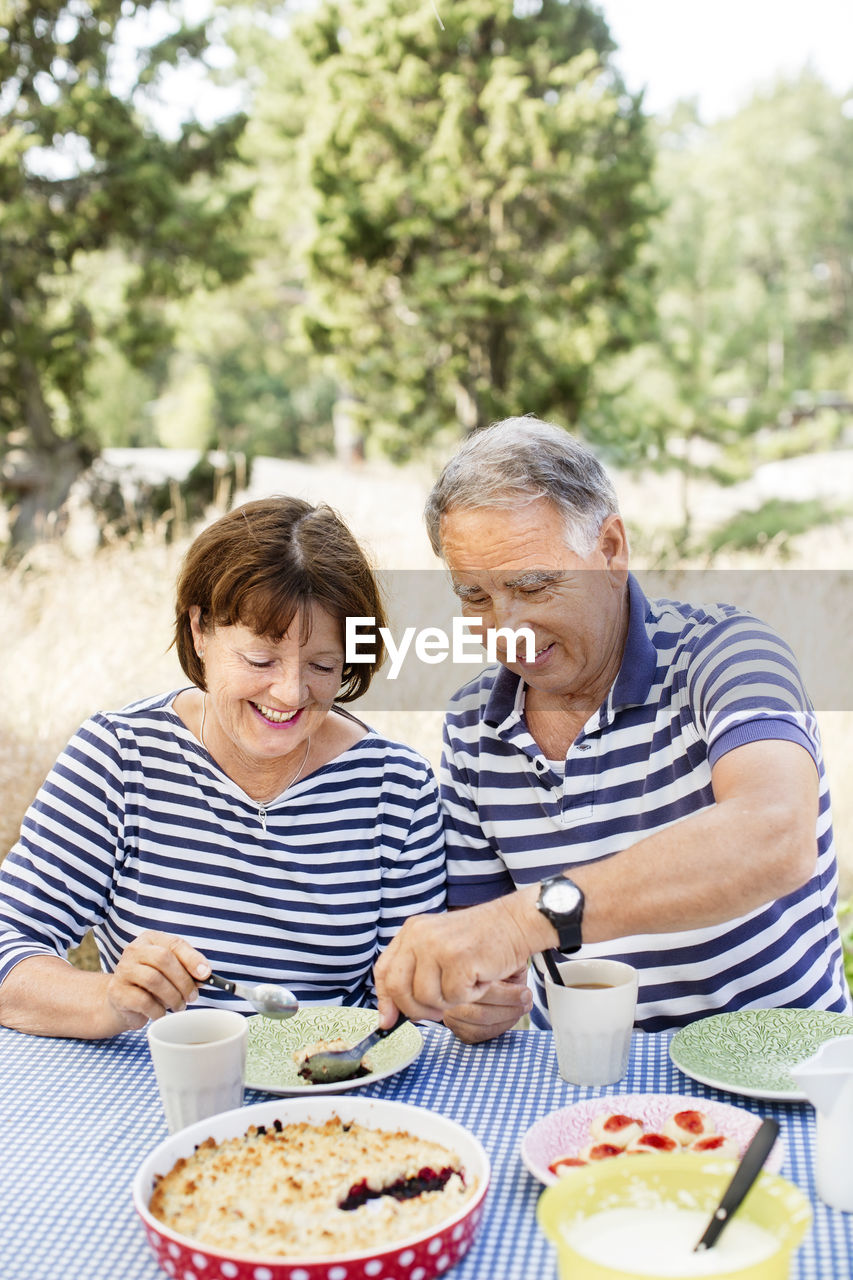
199,1058
592,1017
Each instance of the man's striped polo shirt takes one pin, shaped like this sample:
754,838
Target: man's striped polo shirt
695,682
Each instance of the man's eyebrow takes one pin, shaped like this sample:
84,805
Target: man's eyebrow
466,592
535,578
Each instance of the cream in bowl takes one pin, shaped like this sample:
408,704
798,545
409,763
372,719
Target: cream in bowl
643,1218
666,1237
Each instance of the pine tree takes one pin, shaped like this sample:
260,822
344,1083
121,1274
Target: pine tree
477,179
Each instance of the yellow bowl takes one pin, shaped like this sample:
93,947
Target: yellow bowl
684,1181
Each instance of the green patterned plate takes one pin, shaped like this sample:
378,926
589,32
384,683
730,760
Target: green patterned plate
749,1052
269,1060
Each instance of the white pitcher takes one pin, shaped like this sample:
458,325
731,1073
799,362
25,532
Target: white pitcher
827,1081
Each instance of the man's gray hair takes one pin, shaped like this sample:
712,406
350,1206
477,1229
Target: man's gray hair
517,461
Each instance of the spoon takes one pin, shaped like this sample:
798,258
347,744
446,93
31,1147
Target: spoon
553,968
751,1164
328,1066
268,999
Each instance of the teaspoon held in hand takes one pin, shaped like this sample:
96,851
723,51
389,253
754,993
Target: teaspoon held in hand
270,1000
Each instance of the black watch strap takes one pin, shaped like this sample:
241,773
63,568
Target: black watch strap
569,936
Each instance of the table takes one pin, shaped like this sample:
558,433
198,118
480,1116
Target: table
77,1117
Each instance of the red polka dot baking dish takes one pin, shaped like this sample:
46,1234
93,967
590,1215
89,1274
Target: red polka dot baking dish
417,1251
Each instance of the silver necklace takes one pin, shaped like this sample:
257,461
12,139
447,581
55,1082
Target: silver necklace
296,775
302,766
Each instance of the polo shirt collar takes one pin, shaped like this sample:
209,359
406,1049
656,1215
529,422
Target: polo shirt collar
502,701
639,661
633,681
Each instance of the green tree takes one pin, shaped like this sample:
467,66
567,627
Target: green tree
474,186
83,169
265,396
784,165
689,376
753,263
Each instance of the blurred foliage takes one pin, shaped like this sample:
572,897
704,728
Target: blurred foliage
266,396
777,520
753,259
473,195
454,215
83,170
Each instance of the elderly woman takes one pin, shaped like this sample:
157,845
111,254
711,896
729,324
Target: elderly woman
248,824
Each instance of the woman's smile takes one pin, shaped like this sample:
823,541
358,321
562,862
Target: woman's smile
275,717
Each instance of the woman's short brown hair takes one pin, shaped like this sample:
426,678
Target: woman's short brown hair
262,563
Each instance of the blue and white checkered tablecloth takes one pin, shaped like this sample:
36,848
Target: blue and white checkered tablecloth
77,1117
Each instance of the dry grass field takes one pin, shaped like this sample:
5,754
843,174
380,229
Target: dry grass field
82,632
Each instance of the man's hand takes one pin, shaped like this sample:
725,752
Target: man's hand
156,974
441,963
498,1009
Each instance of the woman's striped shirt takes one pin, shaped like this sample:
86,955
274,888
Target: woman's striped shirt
136,827
695,682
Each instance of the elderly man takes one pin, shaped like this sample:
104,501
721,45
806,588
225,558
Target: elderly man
648,786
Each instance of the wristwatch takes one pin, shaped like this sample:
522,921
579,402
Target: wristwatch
561,901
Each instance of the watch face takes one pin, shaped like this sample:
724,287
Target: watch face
562,896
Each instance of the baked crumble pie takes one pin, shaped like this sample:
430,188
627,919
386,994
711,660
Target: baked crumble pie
304,1190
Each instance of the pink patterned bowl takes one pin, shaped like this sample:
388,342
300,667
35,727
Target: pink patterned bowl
567,1131
418,1257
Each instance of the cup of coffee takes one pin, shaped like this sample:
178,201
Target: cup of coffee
199,1058
592,1016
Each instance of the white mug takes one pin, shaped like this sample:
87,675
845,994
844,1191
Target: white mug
199,1058
592,1017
